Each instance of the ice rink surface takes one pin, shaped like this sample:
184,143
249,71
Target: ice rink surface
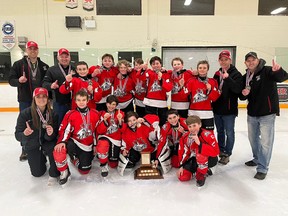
232,190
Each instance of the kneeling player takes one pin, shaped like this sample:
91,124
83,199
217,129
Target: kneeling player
109,135
198,150
138,135
76,137
171,133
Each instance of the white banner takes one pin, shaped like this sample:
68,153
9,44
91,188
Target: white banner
8,34
88,5
71,4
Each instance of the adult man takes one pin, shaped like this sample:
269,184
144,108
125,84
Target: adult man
55,76
263,105
27,74
225,108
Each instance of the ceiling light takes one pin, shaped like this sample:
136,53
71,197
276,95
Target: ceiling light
278,10
187,2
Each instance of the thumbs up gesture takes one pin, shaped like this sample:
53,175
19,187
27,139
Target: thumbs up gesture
224,73
55,85
28,131
275,65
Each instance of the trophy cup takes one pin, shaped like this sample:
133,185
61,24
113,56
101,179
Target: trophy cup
146,170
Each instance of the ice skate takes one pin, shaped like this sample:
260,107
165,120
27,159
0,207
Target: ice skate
52,181
104,170
64,177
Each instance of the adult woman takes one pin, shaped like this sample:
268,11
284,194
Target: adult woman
37,128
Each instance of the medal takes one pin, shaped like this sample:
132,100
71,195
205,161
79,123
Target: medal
248,87
44,121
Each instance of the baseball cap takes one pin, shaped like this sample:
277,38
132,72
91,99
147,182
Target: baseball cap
63,50
226,54
251,54
30,44
39,91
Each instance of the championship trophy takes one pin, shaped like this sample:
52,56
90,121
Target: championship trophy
146,169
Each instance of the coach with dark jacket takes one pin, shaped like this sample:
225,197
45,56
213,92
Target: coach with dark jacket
260,89
225,108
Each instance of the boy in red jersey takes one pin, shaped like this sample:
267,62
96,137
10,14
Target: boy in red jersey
158,84
76,137
198,150
171,133
203,92
180,77
109,135
74,84
124,87
104,75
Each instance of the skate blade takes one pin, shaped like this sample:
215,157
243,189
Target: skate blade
67,183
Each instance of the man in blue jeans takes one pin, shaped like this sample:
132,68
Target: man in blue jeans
260,90
225,108
27,74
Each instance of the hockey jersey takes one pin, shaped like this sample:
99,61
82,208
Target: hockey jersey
80,127
78,83
171,135
123,90
156,89
110,128
188,148
140,86
105,79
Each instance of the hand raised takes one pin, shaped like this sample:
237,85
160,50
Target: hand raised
55,85
28,131
275,65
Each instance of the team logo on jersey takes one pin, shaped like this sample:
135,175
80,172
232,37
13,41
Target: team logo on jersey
112,127
139,89
176,88
84,133
119,92
199,96
139,145
155,86
106,85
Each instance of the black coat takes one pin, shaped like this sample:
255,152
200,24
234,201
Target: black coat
38,137
25,90
263,97
227,103
54,73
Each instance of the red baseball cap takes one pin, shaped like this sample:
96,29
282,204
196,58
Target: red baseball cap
30,44
63,50
39,91
225,53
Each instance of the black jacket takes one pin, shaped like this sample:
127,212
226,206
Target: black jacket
227,103
263,97
54,73
38,137
25,90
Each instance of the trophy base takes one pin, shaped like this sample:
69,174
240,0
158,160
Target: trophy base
147,172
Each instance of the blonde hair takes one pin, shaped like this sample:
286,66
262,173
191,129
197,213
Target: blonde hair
193,119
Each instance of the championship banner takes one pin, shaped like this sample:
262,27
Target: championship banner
71,4
8,34
88,5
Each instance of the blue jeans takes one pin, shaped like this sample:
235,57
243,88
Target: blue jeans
225,132
60,110
261,138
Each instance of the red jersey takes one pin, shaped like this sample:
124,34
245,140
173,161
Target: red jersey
140,86
156,89
188,148
123,90
110,128
201,98
78,83
179,99
171,135
137,138
105,79
80,127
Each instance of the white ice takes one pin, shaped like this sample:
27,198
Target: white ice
232,190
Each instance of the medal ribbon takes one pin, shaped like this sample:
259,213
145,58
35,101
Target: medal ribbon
62,70
44,121
249,77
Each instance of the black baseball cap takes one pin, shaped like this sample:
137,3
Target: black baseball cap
251,54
